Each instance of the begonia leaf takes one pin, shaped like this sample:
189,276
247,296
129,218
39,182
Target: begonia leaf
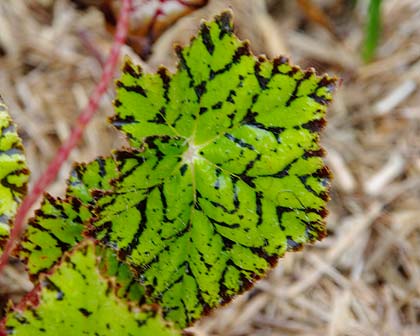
226,174
77,300
14,172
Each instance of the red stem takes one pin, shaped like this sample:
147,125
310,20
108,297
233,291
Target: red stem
85,116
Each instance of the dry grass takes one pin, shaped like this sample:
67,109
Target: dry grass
364,279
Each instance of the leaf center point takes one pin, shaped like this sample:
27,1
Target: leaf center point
192,153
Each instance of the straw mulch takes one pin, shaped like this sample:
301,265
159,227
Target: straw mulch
364,279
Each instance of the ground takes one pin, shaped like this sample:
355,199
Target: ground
364,278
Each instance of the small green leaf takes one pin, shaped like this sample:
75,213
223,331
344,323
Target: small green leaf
77,300
14,172
228,174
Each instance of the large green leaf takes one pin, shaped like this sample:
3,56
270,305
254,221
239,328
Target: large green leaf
77,300
228,174
13,172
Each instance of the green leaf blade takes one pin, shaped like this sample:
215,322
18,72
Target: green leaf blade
233,178
68,303
14,172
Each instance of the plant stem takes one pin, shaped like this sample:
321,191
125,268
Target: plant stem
85,116
373,27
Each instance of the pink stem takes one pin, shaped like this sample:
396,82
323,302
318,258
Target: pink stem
85,116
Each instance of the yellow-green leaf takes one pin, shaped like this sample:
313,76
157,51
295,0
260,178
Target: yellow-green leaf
14,172
77,300
227,176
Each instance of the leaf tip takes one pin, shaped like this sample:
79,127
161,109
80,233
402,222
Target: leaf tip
164,74
330,82
130,68
225,21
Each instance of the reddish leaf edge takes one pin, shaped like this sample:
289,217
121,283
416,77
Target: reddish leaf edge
82,121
